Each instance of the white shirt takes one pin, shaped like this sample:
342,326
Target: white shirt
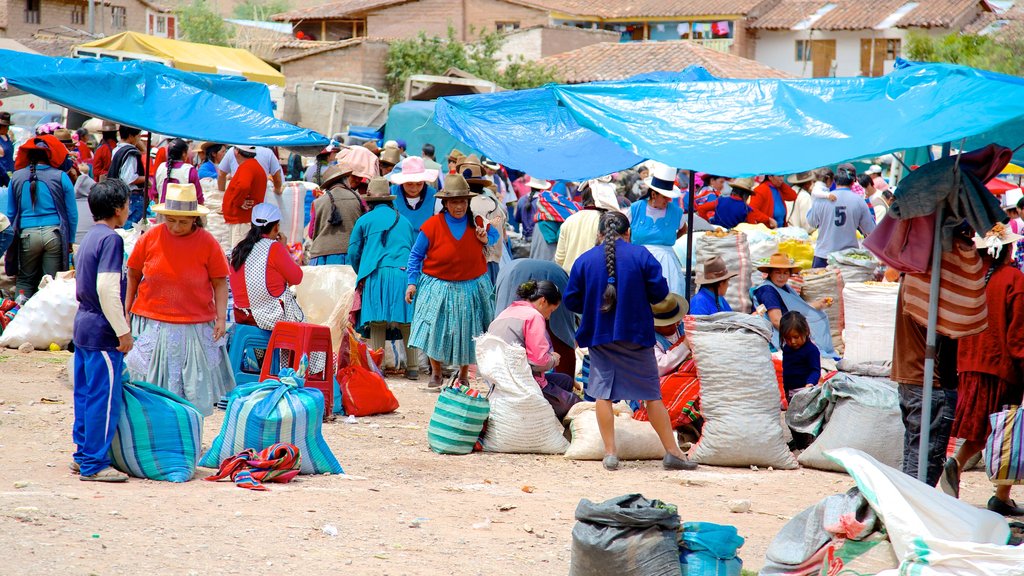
265,156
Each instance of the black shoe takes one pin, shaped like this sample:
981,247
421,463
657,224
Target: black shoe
611,462
1005,508
670,462
949,481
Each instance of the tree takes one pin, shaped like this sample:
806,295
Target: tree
1003,52
260,9
198,23
434,55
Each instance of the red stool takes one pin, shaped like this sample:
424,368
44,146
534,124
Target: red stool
303,339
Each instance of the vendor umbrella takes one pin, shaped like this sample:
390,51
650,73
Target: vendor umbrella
999,186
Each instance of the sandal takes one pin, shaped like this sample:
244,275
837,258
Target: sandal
108,474
611,462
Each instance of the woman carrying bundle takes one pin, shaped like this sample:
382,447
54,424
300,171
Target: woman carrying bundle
613,286
447,274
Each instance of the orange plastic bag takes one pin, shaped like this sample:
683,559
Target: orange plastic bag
364,392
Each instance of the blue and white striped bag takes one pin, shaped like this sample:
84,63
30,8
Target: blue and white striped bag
159,435
263,414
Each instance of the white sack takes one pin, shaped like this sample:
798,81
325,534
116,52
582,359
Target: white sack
634,440
212,199
326,295
48,317
822,283
869,311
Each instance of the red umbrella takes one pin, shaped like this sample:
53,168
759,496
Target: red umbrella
999,187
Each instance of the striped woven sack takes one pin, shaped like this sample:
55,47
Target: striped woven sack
457,422
1003,459
158,436
267,413
963,309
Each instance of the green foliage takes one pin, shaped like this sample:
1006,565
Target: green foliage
434,55
199,23
260,9
999,53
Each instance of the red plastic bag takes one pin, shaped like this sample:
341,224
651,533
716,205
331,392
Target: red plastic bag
364,392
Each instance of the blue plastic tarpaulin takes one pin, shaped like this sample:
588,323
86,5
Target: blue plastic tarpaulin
735,127
157,98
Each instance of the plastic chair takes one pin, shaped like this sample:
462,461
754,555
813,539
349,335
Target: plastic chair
245,340
300,340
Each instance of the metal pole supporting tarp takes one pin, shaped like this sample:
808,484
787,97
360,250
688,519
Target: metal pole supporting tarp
930,337
689,235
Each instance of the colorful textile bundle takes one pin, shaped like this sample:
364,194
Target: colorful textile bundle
680,392
159,435
249,469
552,207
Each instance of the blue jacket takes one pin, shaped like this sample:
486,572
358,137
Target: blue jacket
45,212
639,283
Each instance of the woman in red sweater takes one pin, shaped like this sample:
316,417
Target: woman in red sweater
261,272
990,364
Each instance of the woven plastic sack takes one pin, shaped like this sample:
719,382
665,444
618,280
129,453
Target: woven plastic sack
739,392
394,355
801,251
869,312
263,414
871,555
634,439
159,435
1004,449
521,419
855,264
762,243
457,422
823,283
875,430
626,536
732,247
215,224
326,295
47,318
708,549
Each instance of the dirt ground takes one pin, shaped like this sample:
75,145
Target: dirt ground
401,510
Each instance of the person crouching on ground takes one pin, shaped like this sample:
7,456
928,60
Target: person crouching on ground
801,360
523,323
620,332
670,349
101,334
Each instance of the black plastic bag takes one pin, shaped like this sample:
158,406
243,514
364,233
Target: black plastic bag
625,536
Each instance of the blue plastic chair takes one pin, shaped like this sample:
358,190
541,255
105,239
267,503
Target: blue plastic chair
244,342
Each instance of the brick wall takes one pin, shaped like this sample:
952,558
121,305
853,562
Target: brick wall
58,13
432,17
359,64
485,14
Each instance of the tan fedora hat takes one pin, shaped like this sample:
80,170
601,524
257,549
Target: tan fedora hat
801,177
455,186
390,156
334,175
378,191
714,270
472,170
670,310
995,239
181,200
779,261
744,185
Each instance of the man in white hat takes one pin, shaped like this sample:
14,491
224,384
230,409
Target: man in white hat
247,188
265,156
875,171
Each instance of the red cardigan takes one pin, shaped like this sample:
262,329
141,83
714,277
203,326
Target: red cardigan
763,202
999,350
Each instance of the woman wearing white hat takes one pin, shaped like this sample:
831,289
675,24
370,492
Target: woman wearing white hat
657,221
177,297
413,191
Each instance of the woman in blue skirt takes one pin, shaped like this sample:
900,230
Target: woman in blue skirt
620,332
447,275
379,249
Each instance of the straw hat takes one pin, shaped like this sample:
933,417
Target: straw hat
413,170
538,184
714,270
779,261
490,164
670,310
181,200
206,146
743,185
455,186
663,180
108,126
390,156
473,171
378,191
995,239
456,155
801,177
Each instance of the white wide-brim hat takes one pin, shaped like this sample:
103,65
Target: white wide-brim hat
663,180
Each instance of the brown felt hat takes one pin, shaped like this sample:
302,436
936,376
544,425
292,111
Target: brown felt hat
714,270
455,186
472,170
379,190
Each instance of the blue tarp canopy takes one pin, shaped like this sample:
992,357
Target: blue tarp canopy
734,127
154,97
410,121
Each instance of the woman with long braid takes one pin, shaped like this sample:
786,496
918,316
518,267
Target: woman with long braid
334,215
177,170
612,286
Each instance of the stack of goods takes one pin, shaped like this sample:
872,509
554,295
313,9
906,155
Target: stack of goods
48,318
762,243
521,419
215,224
869,316
271,412
458,420
634,439
739,392
732,247
159,435
827,283
854,264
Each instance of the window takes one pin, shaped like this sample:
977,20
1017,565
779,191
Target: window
118,17
77,15
506,26
161,25
31,11
803,50
892,48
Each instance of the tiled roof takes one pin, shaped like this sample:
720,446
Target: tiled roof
1014,19
342,9
615,61
865,14
641,8
323,47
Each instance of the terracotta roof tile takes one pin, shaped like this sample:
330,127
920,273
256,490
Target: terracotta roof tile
342,9
615,61
857,14
786,14
640,8
941,13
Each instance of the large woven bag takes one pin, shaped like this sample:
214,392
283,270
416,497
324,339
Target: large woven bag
1004,450
457,422
963,308
159,434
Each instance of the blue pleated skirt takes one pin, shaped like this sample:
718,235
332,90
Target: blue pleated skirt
448,315
623,371
333,259
384,297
